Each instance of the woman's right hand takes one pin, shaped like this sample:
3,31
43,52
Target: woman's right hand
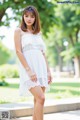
32,76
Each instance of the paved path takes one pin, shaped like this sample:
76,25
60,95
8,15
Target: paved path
69,115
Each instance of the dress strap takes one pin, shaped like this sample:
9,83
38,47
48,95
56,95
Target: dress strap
21,32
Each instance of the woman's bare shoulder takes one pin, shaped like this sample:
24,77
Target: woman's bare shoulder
18,30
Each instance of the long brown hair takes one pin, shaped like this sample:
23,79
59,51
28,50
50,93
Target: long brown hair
36,25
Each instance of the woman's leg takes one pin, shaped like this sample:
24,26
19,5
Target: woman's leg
40,98
34,114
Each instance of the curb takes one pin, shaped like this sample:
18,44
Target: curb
51,106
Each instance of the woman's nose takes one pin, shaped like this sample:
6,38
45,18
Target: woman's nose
29,18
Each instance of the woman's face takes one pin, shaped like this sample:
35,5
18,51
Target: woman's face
29,18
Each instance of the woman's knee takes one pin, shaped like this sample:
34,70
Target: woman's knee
38,94
41,99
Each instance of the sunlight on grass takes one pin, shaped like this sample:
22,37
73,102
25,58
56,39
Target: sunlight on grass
64,90
10,93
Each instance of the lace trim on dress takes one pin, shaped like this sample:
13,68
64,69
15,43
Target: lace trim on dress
41,82
29,47
27,85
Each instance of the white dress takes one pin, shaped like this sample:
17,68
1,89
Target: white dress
32,47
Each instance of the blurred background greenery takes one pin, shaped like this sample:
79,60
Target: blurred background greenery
61,33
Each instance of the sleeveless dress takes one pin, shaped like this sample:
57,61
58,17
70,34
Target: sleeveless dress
32,47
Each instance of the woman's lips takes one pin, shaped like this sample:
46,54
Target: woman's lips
29,22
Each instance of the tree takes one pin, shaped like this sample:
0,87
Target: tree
4,54
45,8
69,18
67,27
55,45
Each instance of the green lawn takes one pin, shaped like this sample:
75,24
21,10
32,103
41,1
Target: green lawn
58,90
10,93
64,90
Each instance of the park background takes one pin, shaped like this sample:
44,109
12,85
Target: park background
61,32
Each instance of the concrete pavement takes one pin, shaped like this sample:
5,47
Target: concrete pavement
69,115
51,106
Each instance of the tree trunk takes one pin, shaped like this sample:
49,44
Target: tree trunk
60,62
60,58
2,12
77,66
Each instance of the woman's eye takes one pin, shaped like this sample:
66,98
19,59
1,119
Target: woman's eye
26,16
32,16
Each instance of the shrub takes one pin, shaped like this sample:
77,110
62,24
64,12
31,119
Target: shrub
9,71
2,80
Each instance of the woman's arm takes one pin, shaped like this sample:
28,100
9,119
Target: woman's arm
17,41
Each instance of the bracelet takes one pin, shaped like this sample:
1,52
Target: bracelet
27,68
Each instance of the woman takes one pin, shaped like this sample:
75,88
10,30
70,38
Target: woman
34,71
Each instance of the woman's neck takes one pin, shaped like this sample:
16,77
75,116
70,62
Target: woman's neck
29,29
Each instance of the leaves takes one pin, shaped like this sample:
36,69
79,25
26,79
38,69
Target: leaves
4,54
71,52
45,8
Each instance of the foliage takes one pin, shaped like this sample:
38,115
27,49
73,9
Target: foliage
4,54
72,52
13,57
51,52
52,56
9,71
66,29
45,8
55,45
2,80
70,23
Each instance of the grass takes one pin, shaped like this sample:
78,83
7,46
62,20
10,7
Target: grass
10,94
64,90
58,90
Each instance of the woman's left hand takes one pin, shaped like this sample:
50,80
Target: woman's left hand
49,77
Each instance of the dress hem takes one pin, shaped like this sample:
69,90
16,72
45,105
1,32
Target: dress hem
29,93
